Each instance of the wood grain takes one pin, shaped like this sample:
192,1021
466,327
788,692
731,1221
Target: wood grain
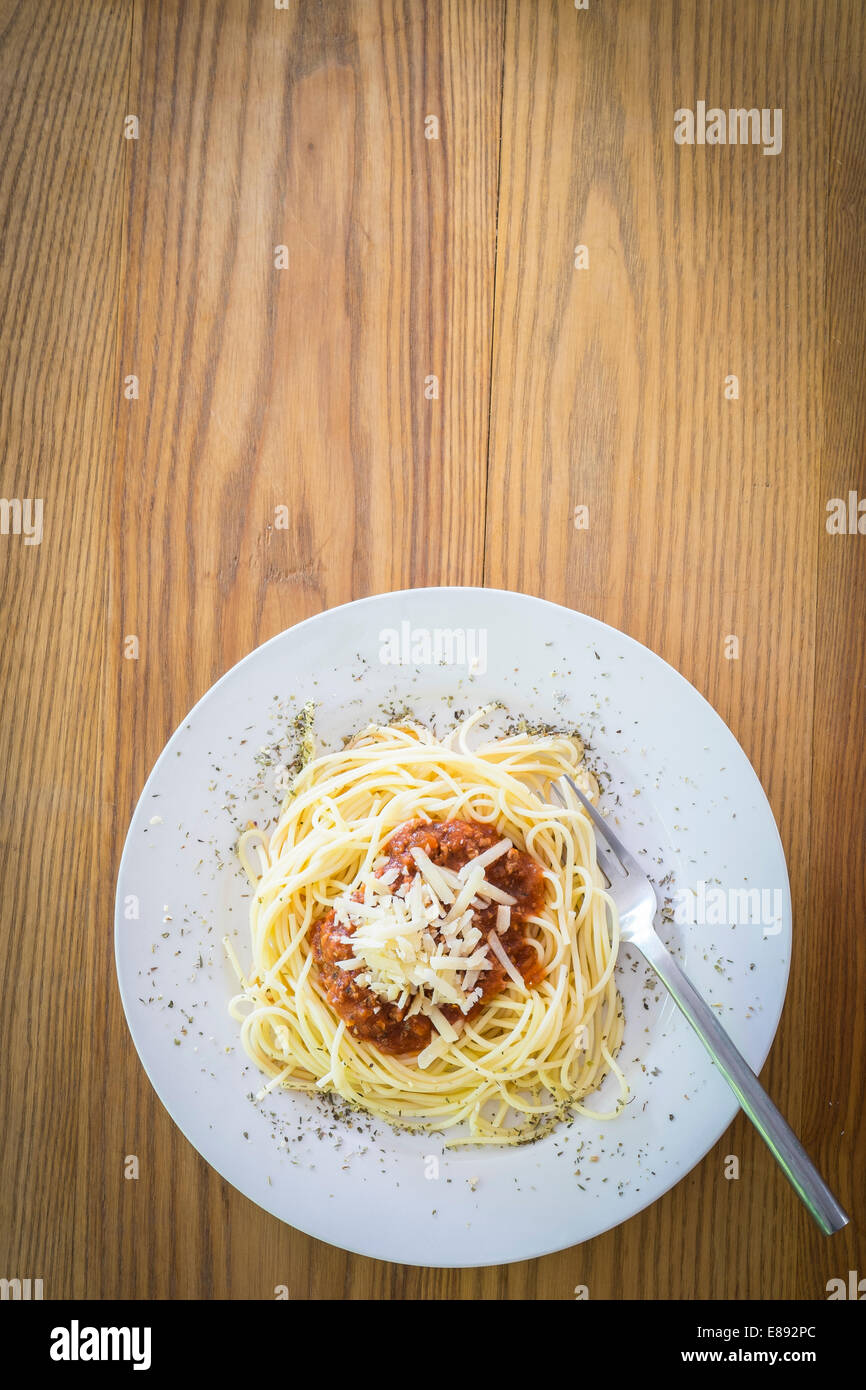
304,388
704,512
301,387
832,1081
63,76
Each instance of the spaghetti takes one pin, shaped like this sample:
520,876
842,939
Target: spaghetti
431,939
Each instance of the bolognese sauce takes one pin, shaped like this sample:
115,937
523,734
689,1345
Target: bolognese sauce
450,844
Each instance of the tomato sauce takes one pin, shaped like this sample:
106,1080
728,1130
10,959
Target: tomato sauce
451,843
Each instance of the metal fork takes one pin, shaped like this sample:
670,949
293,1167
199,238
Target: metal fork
636,904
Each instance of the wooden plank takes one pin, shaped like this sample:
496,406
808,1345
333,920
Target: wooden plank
609,391
301,387
63,82
833,1023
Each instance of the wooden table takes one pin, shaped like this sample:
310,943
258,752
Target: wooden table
302,378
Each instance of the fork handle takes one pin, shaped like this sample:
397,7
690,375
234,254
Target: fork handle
768,1121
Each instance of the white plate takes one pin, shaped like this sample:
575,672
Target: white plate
689,803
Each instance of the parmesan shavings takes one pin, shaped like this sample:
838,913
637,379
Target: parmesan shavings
500,952
416,946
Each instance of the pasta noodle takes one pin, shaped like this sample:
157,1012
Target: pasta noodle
531,1054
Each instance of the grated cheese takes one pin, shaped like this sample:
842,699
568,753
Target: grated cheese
502,955
417,946
489,856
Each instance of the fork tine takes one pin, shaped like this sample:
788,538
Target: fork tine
606,860
628,863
